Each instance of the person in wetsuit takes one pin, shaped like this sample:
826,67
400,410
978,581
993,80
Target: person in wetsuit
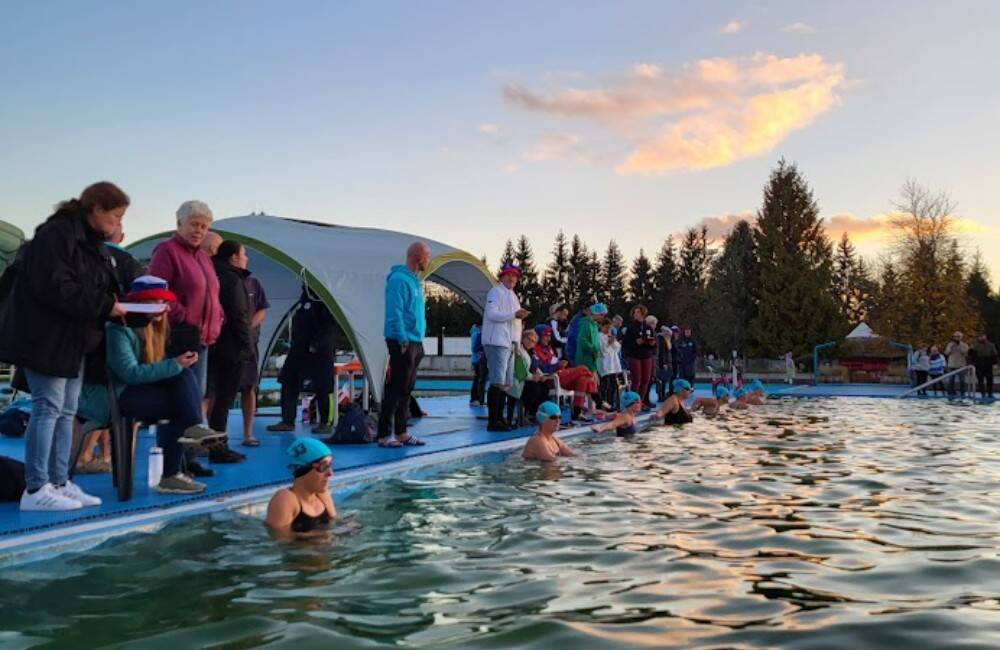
306,508
672,411
623,424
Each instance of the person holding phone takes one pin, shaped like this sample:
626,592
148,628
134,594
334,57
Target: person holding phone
639,347
501,330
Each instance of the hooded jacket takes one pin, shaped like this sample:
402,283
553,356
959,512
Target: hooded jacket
191,276
235,342
588,344
405,320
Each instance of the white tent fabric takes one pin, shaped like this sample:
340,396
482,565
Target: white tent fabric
862,331
346,267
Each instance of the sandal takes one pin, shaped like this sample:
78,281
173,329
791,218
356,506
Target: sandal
412,441
251,442
389,442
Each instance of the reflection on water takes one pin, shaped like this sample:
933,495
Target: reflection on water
821,523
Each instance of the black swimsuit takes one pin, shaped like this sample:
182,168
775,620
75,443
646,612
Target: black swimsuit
304,523
626,431
680,416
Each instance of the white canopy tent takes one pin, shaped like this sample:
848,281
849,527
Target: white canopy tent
863,331
346,267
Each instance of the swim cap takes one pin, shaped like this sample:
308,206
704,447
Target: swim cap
757,384
721,391
681,384
306,451
629,398
599,308
546,411
740,392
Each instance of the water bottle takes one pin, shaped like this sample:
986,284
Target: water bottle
155,468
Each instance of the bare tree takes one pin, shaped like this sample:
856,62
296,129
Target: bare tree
924,220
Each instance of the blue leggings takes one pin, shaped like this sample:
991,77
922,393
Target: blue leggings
177,400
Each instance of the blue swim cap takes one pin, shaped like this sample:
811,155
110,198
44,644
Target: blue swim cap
681,384
306,451
740,392
757,384
546,411
599,308
721,391
629,398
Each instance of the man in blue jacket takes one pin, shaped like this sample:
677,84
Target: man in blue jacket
686,352
405,325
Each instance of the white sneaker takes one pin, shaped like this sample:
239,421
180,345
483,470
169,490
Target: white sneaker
73,491
48,499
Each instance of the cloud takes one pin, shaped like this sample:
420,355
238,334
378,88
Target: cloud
489,129
721,225
798,28
710,113
511,168
733,27
556,146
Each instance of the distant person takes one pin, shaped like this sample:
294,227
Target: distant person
921,362
530,384
544,445
211,243
663,374
196,317
61,288
249,378
789,367
404,330
151,387
711,406
544,354
611,364
306,508
936,364
234,346
985,358
617,324
672,410
477,394
311,356
686,350
588,341
501,329
569,349
639,348
956,354
623,423
558,315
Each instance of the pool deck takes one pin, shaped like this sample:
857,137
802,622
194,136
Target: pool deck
453,431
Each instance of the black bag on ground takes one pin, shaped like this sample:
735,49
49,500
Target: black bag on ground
11,479
352,428
13,422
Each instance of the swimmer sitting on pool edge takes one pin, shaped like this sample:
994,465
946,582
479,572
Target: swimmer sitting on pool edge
543,444
305,509
623,424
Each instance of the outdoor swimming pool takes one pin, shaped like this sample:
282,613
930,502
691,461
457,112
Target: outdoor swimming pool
807,523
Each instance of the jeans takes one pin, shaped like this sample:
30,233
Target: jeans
200,371
478,392
500,364
403,367
956,383
178,400
49,436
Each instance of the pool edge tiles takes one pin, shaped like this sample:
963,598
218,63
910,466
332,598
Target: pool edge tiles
51,541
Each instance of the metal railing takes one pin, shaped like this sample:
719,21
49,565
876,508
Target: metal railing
939,379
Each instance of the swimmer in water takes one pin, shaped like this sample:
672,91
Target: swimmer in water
672,410
741,398
711,406
756,393
623,424
544,445
305,509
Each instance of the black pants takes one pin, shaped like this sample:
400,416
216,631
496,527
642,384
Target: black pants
480,373
534,393
318,369
224,375
984,377
921,380
403,367
178,400
609,390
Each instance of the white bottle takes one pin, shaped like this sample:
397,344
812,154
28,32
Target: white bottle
155,470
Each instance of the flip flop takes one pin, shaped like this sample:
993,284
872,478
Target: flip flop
389,443
252,442
412,441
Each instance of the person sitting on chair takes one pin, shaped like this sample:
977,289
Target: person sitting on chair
151,387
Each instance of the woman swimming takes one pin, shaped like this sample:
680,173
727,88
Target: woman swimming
623,424
672,411
710,406
544,445
306,509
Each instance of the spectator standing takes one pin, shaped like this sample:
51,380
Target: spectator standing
61,290
404,330
501,329
789,367
257,299
611,364
588,341
985,358
569,349
921,361
639,348
957,356
477,394
687,353
651,322
558,314
234,346
196,316
935,364
664,368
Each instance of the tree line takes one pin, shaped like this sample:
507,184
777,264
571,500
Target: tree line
775,285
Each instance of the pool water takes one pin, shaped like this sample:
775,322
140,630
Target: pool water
806,523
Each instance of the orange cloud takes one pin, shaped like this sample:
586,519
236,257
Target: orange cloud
733,27
712,113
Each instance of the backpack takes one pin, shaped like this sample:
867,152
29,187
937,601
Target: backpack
352,428
14,418
11,479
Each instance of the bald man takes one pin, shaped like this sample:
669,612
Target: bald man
211,243
404,331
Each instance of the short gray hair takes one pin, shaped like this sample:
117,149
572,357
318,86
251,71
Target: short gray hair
190,209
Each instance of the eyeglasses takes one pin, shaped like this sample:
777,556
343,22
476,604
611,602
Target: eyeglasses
323,467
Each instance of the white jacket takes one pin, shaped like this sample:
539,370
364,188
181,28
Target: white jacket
611,362
500,327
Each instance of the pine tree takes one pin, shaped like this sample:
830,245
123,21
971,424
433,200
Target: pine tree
796,308
844,263
556,282
613,279
578,274
689,293
640,285
988,304
730,303
665,281
883,315
529,289
508,255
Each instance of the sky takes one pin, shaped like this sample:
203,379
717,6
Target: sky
473,122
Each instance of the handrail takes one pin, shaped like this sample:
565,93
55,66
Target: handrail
936,380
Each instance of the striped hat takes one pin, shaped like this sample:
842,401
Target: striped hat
149,288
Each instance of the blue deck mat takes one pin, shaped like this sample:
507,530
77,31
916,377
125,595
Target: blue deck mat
451,424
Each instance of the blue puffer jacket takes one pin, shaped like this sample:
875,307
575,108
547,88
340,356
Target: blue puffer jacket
405,320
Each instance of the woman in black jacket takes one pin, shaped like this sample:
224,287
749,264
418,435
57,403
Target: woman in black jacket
52,316
235,344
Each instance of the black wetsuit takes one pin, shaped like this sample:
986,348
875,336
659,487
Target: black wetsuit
680,416
305,523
